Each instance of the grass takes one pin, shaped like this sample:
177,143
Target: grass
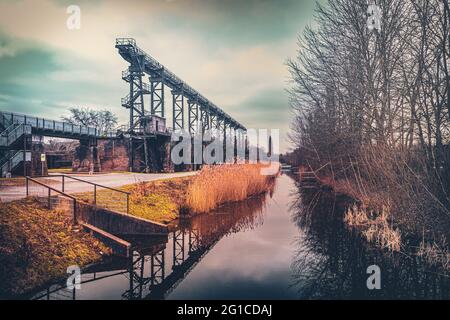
12,182
163,200
159,200
375,226
37,245
216,185
372,216
20,182
436,253
60,170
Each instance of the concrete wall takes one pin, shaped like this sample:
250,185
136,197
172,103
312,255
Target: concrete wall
118,223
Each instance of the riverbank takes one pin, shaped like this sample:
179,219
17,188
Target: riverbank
379,219
163,201
37,245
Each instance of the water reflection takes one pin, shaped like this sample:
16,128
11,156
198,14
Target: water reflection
288,244
331,261
158,264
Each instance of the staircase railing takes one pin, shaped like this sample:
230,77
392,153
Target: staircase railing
4,121
12,133
14,161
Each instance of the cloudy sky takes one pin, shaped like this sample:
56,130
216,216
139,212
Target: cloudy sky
232,51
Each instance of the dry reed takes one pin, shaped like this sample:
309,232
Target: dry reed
216,185
376,226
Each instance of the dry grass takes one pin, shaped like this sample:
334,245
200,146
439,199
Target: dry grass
37,245
216,185
163,200
375,226
435,253
158,201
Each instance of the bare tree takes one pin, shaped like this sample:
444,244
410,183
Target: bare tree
103,120
375,103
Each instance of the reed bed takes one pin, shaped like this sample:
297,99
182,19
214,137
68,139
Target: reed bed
216,185
375,226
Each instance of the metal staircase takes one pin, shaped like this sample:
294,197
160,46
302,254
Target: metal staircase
4,122
12,136
12,160
13,133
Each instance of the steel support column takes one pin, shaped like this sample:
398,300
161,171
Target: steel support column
194,240
135,98
204,118
213,122
178,109
157,96
178,248
193,116
157,272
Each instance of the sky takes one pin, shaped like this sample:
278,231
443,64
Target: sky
232,51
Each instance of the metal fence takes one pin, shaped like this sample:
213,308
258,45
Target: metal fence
41,123
97,194
52,198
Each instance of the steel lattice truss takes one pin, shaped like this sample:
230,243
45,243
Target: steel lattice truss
202,113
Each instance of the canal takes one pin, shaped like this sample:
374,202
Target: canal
288,244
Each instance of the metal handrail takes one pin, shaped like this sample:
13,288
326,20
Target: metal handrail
41,123
8,130
91,183
49,194
9,164
13,133
96,185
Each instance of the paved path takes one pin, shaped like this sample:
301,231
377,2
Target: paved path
108,179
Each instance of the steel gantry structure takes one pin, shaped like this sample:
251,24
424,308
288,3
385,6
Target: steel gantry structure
159,76
202,114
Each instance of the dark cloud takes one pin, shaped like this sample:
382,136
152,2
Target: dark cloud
236,22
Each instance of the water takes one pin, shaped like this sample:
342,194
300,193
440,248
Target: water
288,244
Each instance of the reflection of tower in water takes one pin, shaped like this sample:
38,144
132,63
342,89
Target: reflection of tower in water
158,264
188,243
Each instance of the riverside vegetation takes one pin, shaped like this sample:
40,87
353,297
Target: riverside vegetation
372,117
37,245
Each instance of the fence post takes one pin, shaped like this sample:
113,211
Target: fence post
62,183
128,203
75,218
95,194
49,194
26,184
